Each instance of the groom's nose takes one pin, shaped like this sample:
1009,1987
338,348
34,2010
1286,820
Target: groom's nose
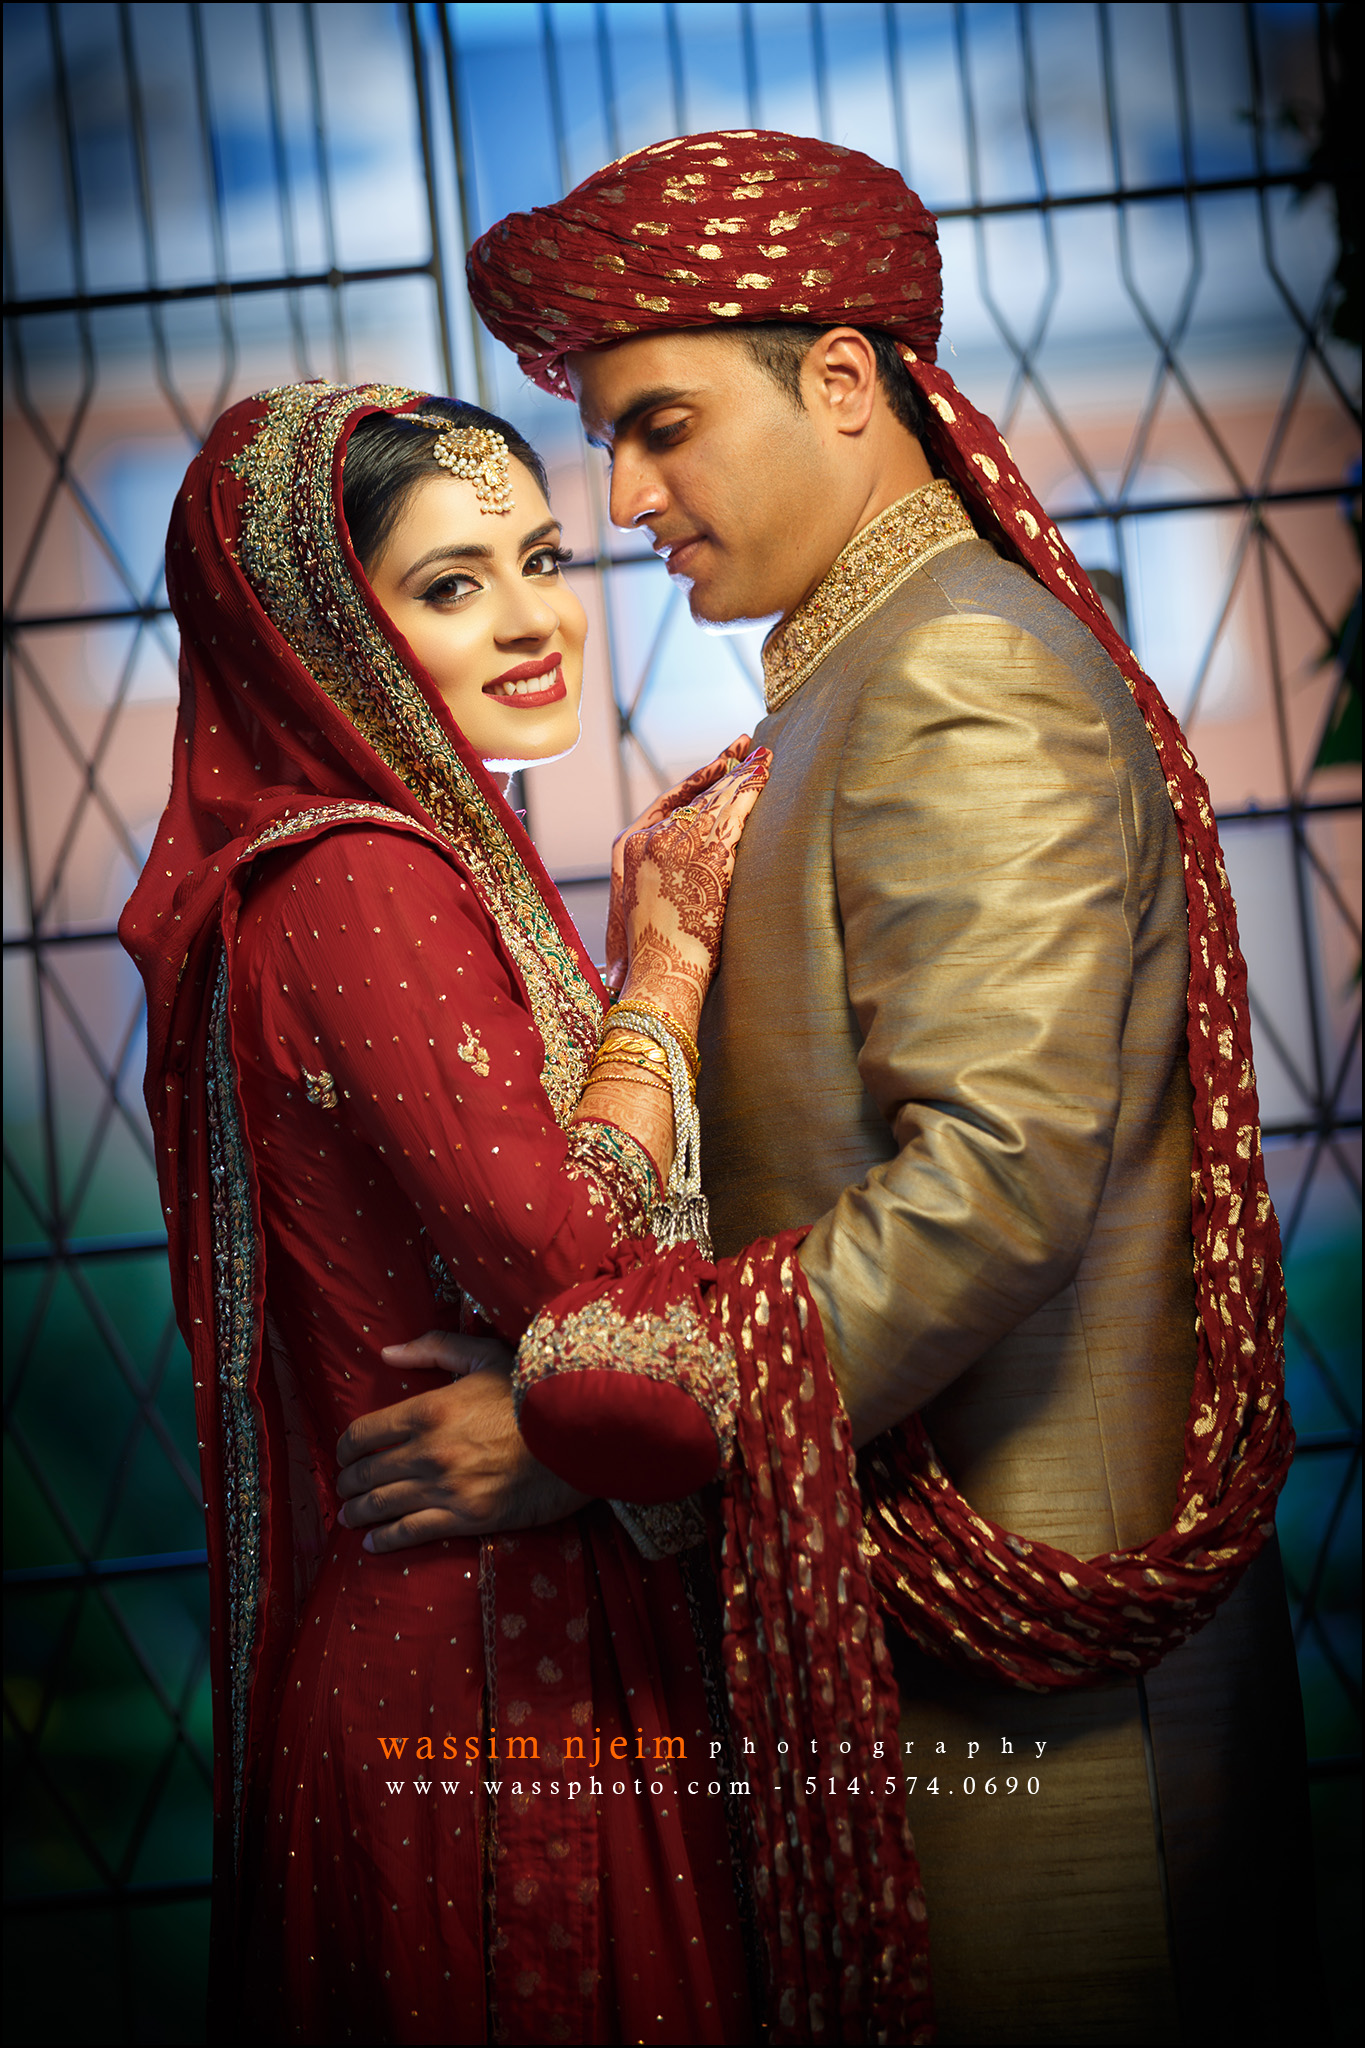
636,492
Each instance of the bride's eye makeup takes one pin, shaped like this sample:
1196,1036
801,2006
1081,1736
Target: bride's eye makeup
551,559
452,586
449,589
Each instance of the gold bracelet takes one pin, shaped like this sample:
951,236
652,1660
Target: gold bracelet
635,1042
626,1059
686,1045
613,1072
670,1023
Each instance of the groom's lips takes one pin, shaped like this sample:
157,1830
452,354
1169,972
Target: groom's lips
515,686
680,555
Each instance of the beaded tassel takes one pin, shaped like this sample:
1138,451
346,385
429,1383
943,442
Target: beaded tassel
682,1216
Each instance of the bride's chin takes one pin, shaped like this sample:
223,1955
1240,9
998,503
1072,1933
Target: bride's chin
511,764
499,766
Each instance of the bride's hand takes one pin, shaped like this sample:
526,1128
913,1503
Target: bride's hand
691,786
675,880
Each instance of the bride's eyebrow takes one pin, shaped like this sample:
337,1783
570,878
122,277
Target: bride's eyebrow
477,551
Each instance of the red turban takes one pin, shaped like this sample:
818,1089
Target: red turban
709,228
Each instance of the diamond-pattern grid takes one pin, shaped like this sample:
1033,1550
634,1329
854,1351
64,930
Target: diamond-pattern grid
201,200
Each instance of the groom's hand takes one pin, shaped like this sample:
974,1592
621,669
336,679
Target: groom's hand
449,1461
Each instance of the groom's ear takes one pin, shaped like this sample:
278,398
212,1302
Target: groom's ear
839,380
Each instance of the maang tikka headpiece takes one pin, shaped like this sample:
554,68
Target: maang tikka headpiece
479,455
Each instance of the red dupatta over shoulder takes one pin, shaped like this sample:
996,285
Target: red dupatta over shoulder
817,1546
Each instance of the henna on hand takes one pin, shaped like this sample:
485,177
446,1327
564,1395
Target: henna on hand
669,977
693,785
675,881
694,863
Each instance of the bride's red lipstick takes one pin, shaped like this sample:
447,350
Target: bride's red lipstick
527,672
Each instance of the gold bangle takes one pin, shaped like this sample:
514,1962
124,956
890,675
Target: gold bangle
621,1072
629,1059
625,1059
669,1022
636,1075
686,1045
635,1042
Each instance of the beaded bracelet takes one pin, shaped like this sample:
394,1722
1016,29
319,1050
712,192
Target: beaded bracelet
682,1214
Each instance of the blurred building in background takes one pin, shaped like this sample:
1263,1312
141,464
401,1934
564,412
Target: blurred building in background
1144,285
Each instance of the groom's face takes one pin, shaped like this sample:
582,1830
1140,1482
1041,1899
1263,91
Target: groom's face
713,459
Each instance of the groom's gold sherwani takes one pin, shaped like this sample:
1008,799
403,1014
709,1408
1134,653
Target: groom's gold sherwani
949,1032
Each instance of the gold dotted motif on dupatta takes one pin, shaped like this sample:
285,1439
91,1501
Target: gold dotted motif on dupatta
292,555
896,543
473,1051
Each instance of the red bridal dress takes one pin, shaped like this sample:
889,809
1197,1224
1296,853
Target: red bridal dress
452,1796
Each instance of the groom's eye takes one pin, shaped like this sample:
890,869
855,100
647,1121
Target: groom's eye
665,434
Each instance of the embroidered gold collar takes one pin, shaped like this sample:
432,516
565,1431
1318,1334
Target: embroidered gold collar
896,543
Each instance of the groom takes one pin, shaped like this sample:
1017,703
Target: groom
949,1033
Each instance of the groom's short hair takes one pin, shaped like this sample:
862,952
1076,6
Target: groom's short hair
781,346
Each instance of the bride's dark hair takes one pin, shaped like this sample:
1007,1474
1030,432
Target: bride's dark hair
388,455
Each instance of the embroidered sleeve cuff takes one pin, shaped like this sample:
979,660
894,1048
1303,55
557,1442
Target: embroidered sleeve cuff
619,1173
622,1405
665,1530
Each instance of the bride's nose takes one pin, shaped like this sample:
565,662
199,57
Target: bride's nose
528,615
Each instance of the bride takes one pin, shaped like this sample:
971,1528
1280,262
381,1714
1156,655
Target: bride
384,1097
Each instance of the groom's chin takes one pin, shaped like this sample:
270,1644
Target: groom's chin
715,613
